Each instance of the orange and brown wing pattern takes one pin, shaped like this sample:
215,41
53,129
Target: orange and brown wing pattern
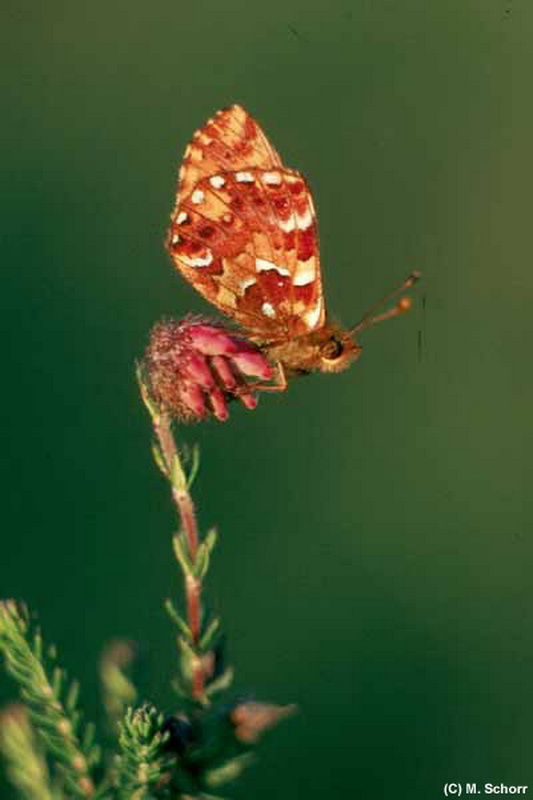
246,238
230,140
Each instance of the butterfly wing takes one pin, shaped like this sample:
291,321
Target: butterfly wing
244,231
230,140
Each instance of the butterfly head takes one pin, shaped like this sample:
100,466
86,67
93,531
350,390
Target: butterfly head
333,349
337,350
326,349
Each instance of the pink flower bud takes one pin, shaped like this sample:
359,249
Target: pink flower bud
251,719
195,368
223,371
218,403
248,399
210,340
191,395
253,364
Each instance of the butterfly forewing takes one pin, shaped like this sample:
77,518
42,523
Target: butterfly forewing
244,231
230,140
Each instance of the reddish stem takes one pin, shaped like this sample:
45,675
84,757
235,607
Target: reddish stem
193,589
186,511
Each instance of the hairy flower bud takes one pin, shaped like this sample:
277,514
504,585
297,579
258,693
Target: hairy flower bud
195,367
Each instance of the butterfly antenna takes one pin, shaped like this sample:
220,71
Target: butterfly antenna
404,304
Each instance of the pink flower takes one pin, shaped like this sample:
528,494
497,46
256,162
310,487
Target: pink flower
251,719
195,367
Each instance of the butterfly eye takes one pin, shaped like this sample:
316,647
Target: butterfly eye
333,349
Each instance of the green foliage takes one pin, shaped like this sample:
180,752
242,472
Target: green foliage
143,765
50,700
51,754
118,691
25,762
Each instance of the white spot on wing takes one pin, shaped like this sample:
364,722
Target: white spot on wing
182,217
199,261
217,181
304,220
287,225
268,310
202,136
304,275
271,178
244,284
176,238
261,265
197,196
244,177
312,315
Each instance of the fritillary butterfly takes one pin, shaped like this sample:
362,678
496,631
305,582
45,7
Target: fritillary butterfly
244,233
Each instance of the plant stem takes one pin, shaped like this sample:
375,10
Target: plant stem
186,511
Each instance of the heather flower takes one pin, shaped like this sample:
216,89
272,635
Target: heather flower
196,367
251,719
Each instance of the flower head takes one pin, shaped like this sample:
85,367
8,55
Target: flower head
195,367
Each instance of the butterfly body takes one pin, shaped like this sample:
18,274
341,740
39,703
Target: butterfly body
328,349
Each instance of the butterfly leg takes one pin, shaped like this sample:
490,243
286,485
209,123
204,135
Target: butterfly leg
280,381
245,393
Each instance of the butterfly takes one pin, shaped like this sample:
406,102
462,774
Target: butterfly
244,234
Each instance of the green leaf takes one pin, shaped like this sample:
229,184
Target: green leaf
210,539
201,565
75,718
229,771
180,689
177,475
221,683
159,460
148,401
88,736
204,796
188,657
177,619
210,635
195,465
57,681
71,700
37,646
181,552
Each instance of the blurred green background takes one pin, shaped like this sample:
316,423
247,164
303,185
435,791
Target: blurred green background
376,547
